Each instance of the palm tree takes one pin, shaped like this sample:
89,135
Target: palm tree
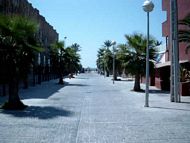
57,58
123,55
136,56
107,44
76,47
100,60
184,33
72,60
18,46
107,57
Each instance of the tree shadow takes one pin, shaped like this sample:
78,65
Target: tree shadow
67,84
154,91
82,78
43,113
77,85
166,108
43,91
185,102
126,80
139,91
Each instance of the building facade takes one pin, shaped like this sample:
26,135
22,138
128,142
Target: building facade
183,11
46,34
162,79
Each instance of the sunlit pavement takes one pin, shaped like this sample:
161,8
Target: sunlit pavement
90,109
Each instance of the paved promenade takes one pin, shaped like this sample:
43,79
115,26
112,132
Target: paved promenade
90,109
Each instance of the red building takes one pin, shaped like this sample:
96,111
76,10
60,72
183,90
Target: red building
47,35
183,11
162,79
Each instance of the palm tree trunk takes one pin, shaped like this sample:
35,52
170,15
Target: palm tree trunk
13,91
60,74
107,73
115,75
61,79
72,75
25,82
14,102
137,83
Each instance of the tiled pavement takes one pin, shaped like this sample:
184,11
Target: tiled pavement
90,109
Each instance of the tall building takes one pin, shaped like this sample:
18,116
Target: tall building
183,11
162,79
46,33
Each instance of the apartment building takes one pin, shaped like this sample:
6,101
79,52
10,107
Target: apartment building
162,79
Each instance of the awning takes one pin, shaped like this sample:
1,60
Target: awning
160,65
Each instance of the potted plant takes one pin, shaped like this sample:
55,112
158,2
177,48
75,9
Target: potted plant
184,82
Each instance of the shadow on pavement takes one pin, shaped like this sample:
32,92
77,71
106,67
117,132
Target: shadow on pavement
42,91
126,80
81,78
166,108
39,112
67,84
185,102
158,91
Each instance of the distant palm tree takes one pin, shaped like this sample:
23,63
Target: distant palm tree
76,47
107,57
123,55
100,60
107,44
18,47
184,33
72,60
57,54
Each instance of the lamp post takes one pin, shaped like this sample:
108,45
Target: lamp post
104,68
39,68
49,69
148,6
113,44
175,96
65,41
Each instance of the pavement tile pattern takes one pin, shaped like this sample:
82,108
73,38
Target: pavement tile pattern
90,109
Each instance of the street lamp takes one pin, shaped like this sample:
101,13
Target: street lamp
174,44
104,64
113,43
39,68
49,69
65,41
148,6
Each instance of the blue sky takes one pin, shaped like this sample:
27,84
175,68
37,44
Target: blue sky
90,22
